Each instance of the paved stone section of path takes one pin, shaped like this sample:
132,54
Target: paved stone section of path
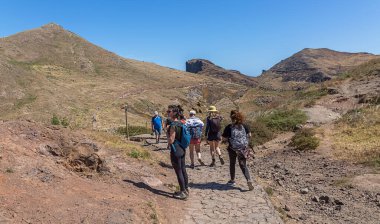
213,201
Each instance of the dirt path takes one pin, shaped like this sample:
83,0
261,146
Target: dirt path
212,201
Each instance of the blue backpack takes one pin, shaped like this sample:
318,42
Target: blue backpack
184,142
195,132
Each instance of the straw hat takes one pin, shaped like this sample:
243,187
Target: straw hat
192,112
212,109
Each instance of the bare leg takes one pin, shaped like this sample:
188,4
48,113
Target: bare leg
198,150
212,149
192,154
217,148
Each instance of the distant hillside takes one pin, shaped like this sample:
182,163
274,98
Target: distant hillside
50,70
317,65
207,68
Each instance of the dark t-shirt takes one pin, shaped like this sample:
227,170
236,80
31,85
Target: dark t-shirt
227,130
177,128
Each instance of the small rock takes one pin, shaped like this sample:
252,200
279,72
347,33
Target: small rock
315,198
304,190
287,208
277,166
338,202
325,198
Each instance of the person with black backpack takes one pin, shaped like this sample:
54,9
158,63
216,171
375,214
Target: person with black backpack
238,135
195,126
213,135
178,141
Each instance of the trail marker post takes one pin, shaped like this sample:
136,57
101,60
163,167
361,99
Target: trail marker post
126,121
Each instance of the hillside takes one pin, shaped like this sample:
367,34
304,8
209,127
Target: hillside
207,68
50,70
316,65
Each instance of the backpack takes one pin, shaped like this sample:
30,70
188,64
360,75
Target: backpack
238,139
215,125
195,132
184,140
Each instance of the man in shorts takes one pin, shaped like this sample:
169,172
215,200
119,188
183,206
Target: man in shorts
157,125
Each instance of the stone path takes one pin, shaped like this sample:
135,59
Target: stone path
212,201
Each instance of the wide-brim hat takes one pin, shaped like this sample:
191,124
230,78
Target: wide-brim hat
212,109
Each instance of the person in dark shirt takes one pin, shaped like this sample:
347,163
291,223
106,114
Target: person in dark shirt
237,133
177,154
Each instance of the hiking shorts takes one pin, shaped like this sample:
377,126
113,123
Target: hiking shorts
157,131
212,136
195,141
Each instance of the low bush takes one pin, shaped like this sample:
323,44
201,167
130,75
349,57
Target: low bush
55,120
304,140
133,130
139,154
260,133
283,120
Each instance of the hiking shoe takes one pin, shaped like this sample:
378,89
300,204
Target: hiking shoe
221,160
192,166
231,183
181,195
201,162
212,163
250,185
187,192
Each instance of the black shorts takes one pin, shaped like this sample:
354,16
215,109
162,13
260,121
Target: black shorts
214,136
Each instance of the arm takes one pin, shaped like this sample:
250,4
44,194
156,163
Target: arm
171,136
207,127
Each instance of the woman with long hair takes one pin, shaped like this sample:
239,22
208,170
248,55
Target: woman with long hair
237,133
177,153
213,135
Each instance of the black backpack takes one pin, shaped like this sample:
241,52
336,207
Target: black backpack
215,124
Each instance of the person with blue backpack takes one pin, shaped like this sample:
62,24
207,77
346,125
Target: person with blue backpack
195,126
178,140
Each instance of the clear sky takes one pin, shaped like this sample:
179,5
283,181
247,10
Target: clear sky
246,35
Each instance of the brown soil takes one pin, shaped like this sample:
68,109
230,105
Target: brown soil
53,175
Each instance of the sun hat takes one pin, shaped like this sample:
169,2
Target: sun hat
192,112
155,112
212,109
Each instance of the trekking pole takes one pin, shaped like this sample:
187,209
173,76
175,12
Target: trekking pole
126,121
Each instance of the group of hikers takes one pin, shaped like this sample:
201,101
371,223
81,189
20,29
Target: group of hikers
182,133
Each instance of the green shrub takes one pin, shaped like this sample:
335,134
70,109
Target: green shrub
133,130
65,122
55,120
284,120
304,140
313,94
260,133
139,154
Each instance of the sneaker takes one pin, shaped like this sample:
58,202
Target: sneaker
221,160
212,163
192,166
187,192
231,183
201,162
250,185
181,195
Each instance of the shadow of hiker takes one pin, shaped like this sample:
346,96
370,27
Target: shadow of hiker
214,186
149,188
165,165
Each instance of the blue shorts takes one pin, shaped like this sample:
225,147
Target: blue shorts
157,131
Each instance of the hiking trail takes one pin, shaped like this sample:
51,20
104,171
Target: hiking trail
211,200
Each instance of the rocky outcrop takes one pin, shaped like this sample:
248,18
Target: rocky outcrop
317,65
205,67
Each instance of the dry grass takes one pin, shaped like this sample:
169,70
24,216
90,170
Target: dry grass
356,136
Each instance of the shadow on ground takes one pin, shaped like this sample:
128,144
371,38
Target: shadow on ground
149,188
214,186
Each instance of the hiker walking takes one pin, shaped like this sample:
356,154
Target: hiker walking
213,135
237,133
177,131
157,125
195,126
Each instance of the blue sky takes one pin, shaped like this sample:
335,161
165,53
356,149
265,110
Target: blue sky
244,35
